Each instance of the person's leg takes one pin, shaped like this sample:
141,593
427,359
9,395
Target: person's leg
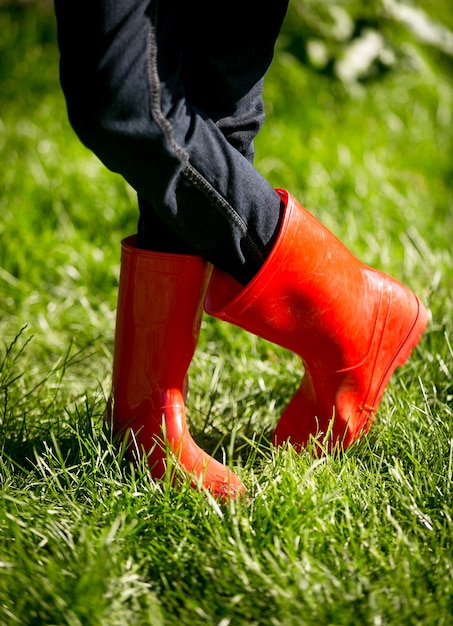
225,57
351,324
121,69
122,73
153,233
160,304
222,76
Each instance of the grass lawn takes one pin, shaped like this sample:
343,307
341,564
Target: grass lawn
359,538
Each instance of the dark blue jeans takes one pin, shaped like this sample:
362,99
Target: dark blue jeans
169,94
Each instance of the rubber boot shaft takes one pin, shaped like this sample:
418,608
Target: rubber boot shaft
158,324
351,325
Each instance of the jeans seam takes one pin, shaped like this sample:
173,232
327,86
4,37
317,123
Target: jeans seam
237,222
189,171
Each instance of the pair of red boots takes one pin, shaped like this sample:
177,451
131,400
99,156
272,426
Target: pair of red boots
350,324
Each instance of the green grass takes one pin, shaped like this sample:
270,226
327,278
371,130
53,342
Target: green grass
360,538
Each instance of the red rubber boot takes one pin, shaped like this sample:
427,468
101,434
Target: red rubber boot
352,326
157,328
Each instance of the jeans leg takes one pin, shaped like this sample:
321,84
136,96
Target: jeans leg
223,78
224,68
121,71
153,233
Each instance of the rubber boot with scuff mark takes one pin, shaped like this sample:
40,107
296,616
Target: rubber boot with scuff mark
351,325
160,307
